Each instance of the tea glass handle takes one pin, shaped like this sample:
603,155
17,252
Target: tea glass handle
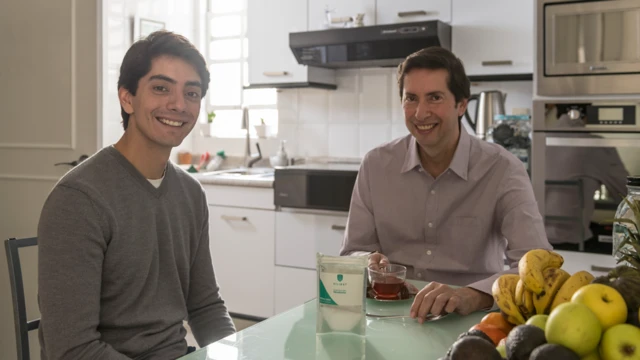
338,227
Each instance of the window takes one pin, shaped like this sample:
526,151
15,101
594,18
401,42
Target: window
227,55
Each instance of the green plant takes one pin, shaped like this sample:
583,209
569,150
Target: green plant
632,255
210,116
262,121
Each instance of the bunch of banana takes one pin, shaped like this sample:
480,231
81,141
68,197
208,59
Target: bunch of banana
533,264
554,278
503,291
575,282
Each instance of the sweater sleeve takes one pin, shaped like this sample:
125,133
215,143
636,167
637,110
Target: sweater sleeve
71,246
208,316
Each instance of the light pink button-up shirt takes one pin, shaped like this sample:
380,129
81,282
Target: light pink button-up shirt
453,229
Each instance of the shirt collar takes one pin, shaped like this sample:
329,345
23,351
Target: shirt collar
459,163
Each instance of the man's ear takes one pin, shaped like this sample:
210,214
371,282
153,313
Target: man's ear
126,100
462,107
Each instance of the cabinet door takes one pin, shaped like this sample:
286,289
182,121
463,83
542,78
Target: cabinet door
596,264
499,41
294,287
398,11
300,236
241,242
268,26
340,8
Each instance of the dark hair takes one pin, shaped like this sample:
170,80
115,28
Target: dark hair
137,61
434,58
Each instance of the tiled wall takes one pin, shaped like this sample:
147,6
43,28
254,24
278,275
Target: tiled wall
361,114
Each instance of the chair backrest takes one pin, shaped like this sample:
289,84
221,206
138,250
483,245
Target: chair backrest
22,325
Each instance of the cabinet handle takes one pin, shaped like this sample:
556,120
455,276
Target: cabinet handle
600,268
338,227
497,63
275,73
233,218
596,68
415,13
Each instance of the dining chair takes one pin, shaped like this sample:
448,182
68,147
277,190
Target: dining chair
22,325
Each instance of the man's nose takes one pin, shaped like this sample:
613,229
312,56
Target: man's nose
177,102
422,111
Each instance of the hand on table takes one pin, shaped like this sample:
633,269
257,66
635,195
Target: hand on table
377,261
438,298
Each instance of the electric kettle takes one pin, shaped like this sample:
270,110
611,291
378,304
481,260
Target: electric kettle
490,104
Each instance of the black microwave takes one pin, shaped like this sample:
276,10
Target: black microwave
315,186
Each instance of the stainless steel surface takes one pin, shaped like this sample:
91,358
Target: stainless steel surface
412,13
489,104
593,142
249,159
233,218
587,47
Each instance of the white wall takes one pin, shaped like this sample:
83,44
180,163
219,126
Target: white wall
178,15
361,114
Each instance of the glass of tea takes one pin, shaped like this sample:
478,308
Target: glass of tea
387,282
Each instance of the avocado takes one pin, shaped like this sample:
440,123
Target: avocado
553,352
522,340
473,348
476,332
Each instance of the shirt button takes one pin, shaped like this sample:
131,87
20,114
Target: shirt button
428,252
430,225
433,192
419,276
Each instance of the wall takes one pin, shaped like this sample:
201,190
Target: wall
361,114
178,15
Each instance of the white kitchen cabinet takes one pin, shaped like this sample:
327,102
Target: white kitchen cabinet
496,41
294,287
241,243
596,264
299,236
270,58
340,9
398,11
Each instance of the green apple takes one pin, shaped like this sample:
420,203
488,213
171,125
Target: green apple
621,342
502,349
539,320
574,326
605,301
593,356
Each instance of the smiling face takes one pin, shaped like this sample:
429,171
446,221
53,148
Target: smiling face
166,105
430,109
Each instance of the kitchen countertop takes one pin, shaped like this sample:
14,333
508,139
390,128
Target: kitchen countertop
249,181
292,335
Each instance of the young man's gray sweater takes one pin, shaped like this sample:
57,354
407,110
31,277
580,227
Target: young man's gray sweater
121,264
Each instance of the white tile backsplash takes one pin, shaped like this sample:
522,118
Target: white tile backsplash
364,112
344,140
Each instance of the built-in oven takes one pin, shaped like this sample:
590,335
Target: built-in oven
587,47
582,152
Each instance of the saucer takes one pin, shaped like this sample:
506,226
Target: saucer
407,292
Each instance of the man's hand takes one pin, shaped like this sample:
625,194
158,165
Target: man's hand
437,299
377,261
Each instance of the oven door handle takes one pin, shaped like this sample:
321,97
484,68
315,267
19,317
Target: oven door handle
592,142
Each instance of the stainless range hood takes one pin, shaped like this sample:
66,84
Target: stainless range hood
369,46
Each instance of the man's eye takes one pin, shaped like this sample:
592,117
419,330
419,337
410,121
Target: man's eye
409,98
160,88
436,97
193,94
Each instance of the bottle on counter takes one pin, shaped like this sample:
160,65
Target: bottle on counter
217,161
624,211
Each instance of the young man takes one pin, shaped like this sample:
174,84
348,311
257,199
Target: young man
123,237
441,202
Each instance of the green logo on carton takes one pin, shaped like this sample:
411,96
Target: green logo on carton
340,277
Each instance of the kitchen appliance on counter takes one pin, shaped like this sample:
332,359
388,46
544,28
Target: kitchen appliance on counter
367,46
489,104
582,152
587,47
315,186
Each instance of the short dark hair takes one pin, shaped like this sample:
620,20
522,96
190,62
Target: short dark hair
137,61
434,58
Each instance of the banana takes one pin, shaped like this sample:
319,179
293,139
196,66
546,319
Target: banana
533,263
553,280
518,298
575,282
503,291
528,303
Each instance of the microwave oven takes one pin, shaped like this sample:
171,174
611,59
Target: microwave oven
587,47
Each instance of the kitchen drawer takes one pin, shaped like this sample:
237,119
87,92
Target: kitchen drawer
299,236
240,196
294,287
596,264
399,11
